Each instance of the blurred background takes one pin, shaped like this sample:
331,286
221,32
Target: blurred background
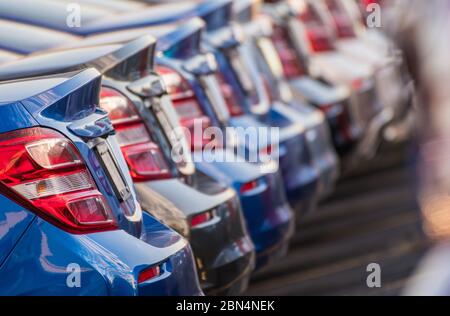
393,210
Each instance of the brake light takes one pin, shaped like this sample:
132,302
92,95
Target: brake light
292,67
365,10
201,219
43,170
144,157
357,84
366,3
187,106
249,186
319,40
316,30
228,93
342,22
148,274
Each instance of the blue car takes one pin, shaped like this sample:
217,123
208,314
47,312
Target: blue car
70,220
301,178
259,186
248,103
199,207
269,217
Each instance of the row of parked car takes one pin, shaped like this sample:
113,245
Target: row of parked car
100,194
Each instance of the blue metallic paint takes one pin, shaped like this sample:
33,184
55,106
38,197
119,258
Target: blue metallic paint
36,254
110,262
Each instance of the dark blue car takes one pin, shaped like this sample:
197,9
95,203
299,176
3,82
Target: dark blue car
70,223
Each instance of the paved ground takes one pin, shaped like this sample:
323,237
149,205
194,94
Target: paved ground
371,217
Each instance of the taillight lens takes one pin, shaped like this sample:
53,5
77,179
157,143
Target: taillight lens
144,157
292,67
186,106
317,33
342,22
319,39
202,218
249,187
357,84
231,101
43,170
148,274
366,3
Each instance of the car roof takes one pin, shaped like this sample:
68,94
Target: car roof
97,20
6,56
102,57
49,13
168,35
25,39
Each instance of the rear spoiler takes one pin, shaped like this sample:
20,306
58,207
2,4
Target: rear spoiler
46,94
183,40
126,62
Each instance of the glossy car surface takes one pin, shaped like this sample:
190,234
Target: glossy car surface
217,198
283,226
45,252
272,223
301,179
315,44
332,100
258,30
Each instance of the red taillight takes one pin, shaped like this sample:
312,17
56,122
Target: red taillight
366,3
148,274
187,106
201,219
319,39
144,157
231,101
317,33
249,186
292,67
357,84
41,168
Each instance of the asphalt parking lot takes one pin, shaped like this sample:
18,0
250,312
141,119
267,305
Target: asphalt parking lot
371,218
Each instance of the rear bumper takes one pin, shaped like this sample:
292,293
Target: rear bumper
371,117
267,212
344,132
302,185
109,263
274,241
219,245
333,101
304,191
229,277
301,179
272,254
329,172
